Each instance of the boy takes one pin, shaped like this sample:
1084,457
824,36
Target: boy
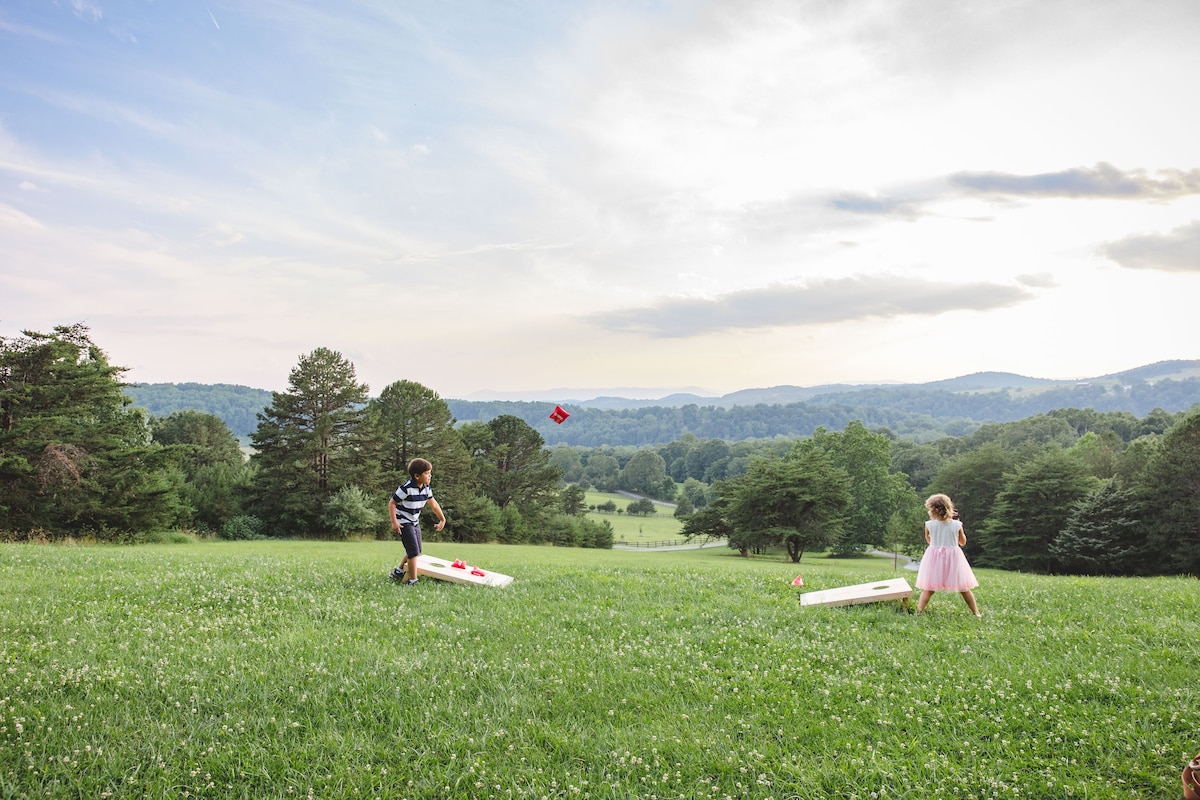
405,511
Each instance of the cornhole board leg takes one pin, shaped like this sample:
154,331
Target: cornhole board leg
894,589
437,568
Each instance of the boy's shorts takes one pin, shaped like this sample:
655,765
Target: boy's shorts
410,537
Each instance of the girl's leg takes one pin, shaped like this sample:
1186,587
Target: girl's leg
924,601
969,596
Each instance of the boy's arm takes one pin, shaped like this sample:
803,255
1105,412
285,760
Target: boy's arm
441,523
392,515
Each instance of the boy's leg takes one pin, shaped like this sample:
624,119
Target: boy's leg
410,535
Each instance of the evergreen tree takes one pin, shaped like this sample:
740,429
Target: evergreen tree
201,439
709,523
1036,504
310,443
573,500
1171,492
1104,536
212,473
74,458
514,470
410,421
974,480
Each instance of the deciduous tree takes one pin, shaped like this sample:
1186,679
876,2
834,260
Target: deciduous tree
876,492
800,501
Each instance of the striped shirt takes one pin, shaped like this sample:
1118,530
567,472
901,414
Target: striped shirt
410,499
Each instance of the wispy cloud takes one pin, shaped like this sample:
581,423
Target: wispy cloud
875,205
1177,251
699,166
1102,180
818,302
86,8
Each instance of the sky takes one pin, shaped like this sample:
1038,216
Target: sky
535,199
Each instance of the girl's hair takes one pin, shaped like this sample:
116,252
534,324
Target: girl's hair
940,506
417,466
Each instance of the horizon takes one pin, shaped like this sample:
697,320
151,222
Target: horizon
575,395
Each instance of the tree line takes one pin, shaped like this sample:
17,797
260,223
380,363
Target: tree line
915,413
1070,491
912,413
78,459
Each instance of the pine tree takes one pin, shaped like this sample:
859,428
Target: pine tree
1037,502
310,443
410,421
514,466
74,459
1171,490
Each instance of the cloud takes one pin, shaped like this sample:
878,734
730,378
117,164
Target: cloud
86,8
813,303
1177,251
1102,180
874,205
1040,280
13,219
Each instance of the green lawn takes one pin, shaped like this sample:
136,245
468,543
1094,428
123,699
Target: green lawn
658,527
297,670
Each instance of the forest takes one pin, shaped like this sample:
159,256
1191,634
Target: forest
1070,490
920,413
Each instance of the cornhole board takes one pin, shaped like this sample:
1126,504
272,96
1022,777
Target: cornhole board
437,568
895,589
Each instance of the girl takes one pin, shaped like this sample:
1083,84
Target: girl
944,567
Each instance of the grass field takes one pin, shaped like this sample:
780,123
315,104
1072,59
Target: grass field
296,669
657,527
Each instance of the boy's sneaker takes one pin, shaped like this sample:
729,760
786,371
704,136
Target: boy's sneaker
397,574
413,582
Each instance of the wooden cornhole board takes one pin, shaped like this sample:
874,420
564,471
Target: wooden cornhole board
437,568
895,589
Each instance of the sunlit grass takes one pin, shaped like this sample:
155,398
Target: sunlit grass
657,527
296,669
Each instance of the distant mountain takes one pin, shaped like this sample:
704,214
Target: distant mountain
782,395
237,405
984,381
920,411
1161,370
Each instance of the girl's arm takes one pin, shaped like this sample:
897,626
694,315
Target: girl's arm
962,538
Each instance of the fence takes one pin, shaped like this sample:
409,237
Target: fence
667,543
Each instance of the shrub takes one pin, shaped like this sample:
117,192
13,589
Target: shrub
350,511
246,526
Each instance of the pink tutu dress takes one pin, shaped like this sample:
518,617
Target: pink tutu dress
944,568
